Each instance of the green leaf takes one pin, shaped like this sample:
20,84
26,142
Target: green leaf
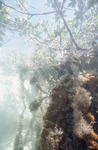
91,3
72,3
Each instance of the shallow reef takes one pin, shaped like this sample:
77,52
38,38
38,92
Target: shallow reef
71,119
64,106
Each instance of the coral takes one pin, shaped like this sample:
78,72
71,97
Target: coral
81,128
92,118
84,130
70,120
84,120
92,141
93,145
82,99
54,129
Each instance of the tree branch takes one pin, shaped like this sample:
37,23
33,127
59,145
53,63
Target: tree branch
23,6
66,25
29,14
33,7
63,4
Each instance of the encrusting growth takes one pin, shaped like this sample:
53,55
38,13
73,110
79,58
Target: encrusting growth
82,100
54,130
70,121
83,119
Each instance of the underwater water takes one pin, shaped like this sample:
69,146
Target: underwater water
52,107
16,96
9,106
